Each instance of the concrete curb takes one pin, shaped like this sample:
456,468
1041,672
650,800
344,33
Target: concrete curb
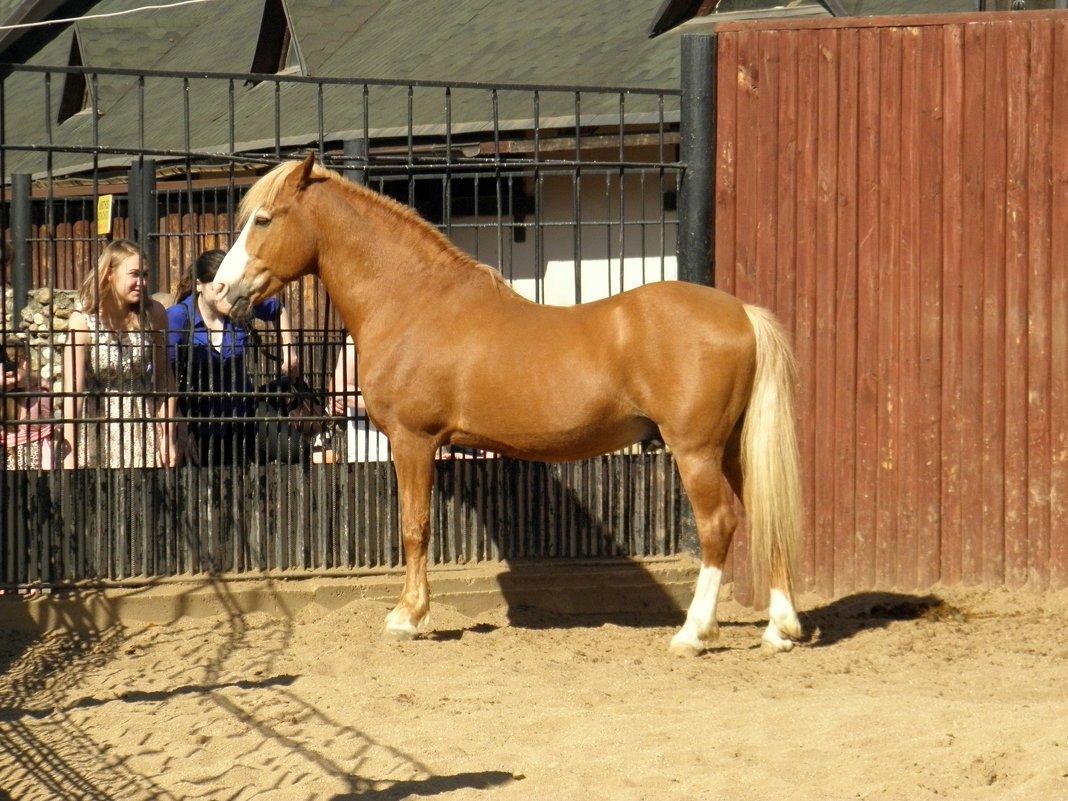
657,588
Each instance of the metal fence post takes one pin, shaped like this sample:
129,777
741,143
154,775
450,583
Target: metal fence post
697,152
355,150
144,219
11,544
697,135
21,233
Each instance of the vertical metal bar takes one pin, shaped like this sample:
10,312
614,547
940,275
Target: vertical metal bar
321,119
133,192
355,150
576,194
4,222
539,186
278,120
447,183
661,157
497,176
621,194
410,158
143,222
698,142
366,97
21,233
13,535
194,227
696,190
231,188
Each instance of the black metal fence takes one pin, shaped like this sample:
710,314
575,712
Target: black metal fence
569,191
324,507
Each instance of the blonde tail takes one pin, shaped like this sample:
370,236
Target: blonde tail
770,461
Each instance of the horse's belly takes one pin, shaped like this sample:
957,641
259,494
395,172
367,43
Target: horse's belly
559,444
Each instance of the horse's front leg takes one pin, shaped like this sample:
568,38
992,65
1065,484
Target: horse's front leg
414,465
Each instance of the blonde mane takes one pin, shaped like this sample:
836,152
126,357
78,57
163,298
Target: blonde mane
264,194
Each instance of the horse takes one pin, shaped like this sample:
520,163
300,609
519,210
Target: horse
451,355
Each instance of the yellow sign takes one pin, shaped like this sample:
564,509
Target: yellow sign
103,214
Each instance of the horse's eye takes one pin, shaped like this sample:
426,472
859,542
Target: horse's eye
263,219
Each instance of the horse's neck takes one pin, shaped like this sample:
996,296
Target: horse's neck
389,265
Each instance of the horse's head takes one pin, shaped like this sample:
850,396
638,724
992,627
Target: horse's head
277,244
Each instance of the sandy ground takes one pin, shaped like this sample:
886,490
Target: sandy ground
960,694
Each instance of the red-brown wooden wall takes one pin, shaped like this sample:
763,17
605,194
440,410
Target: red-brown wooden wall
898,193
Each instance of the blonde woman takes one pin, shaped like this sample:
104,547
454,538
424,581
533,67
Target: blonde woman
118,389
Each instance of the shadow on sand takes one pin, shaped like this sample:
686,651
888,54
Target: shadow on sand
44,739
847,617
431,786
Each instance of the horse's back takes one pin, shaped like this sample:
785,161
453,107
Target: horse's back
663,328
673,298
678,317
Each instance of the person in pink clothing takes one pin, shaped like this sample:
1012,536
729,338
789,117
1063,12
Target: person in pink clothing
27,425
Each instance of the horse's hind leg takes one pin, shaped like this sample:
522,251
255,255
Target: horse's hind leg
716,521
414,464
784,628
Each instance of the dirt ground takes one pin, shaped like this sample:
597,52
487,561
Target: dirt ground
959,694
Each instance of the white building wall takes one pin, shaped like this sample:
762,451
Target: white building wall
611,231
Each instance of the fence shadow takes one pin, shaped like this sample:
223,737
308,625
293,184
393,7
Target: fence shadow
622,593
431,786
570,538
51,749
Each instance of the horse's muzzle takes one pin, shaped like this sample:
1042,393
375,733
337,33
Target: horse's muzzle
240,310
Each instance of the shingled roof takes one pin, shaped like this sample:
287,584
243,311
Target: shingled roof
500,42
559,42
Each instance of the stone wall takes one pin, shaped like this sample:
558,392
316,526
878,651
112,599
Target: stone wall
41,329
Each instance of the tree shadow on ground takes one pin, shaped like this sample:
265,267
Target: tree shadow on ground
847,617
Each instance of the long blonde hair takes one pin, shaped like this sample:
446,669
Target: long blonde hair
96,290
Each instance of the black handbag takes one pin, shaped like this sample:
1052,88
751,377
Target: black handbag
288,416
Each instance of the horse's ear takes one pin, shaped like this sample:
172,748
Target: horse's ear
306,171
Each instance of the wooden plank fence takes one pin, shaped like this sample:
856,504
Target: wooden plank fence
897,190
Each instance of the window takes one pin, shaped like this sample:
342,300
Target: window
276,49
75,98
699,14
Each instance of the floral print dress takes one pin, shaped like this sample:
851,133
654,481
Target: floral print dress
118,426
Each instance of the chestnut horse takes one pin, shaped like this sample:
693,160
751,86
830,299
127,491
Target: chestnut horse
450,354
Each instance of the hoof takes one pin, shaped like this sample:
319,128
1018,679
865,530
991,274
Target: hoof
694,640
689,643
400,627
400,635
685,649
783,617
772,642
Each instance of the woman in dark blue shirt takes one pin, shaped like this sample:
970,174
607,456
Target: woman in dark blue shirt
208,353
